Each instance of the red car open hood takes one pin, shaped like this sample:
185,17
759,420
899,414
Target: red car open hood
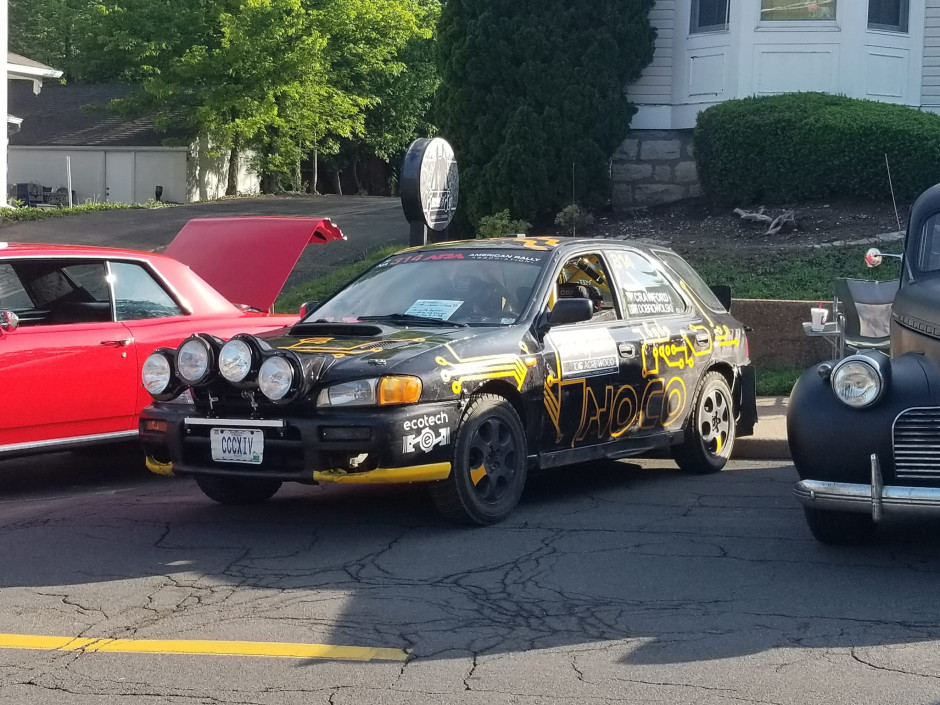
247,259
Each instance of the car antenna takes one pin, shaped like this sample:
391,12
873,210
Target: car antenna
891,186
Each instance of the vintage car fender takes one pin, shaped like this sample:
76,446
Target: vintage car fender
834,442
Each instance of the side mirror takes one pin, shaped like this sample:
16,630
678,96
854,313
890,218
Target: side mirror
9,320
307,307
874,257
723,293
570,311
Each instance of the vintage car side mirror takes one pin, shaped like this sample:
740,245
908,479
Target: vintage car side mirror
723,293
9,320
570,311
307,306
874,257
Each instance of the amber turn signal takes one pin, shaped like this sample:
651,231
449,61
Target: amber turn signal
399,390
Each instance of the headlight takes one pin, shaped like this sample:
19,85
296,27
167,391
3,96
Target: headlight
275,377
156,373
856,383
192,360
383,391
235,360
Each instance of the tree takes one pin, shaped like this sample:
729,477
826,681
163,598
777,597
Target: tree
532,98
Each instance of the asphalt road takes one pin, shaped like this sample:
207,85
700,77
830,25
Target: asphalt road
618,582
368,222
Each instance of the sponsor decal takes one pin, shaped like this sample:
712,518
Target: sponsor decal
431,432
583,353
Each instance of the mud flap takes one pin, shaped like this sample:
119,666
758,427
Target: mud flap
746,401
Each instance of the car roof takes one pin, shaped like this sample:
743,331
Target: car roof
41,249
539,243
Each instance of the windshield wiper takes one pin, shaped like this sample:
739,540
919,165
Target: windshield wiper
408,318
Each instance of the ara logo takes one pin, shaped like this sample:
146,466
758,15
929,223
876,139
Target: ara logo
427,439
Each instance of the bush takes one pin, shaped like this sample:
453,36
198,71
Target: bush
801,146
574,219
501,225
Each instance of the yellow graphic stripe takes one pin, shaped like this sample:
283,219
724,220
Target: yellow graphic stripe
484,367
274,649
382,476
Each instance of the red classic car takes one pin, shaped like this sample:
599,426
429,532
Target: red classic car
77,323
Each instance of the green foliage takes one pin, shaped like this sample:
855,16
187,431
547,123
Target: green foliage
776,382
26,214
320,288
532,98
574,219
800,146
501,224
804,275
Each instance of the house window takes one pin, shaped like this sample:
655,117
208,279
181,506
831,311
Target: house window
709,15
776,10
888,14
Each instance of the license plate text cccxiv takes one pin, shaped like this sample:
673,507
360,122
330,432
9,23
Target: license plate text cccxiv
237,445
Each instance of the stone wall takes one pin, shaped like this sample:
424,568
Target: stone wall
652,167
776,338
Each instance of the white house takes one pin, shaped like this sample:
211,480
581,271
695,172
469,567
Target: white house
709,51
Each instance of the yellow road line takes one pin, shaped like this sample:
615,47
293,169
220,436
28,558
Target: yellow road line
213,648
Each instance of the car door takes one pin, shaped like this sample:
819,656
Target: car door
588,399
672,342
68,371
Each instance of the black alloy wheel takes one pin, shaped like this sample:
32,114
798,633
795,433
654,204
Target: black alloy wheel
488,472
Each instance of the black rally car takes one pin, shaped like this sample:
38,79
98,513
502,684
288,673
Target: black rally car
464,365
864,431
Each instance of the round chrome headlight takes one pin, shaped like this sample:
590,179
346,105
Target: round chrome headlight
235,360
856,383
156,373
275,377
192,360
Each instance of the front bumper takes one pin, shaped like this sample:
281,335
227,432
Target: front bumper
363,446
874,498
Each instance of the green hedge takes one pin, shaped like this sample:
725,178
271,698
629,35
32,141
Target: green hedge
803,146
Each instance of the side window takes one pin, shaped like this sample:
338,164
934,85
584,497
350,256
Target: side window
644,291
709,16
586,277
138,295
13,296
773,10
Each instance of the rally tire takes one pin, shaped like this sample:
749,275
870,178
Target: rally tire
488,470
709,437
238,490
839,528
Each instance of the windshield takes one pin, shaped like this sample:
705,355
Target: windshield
926,250
463,287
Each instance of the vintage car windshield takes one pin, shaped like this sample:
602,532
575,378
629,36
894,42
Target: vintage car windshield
925,252
465,287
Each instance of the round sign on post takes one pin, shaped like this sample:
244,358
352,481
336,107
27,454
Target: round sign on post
429,187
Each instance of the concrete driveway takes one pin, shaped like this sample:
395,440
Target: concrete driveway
368,222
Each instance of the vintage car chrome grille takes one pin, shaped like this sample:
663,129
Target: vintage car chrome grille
917,444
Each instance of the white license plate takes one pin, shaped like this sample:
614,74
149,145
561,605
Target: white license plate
237,445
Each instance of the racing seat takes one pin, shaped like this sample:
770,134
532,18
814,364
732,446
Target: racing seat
569,290
865,319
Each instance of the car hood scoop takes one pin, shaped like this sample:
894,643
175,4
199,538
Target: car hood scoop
349,330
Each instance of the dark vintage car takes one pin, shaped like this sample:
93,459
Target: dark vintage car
464,365
864,431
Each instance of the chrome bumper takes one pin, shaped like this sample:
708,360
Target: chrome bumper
875,498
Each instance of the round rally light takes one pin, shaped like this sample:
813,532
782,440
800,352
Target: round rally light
275,377
235,360
856,383
192,360
156,373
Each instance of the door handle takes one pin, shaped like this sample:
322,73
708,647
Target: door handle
702,338
626,349
122,343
